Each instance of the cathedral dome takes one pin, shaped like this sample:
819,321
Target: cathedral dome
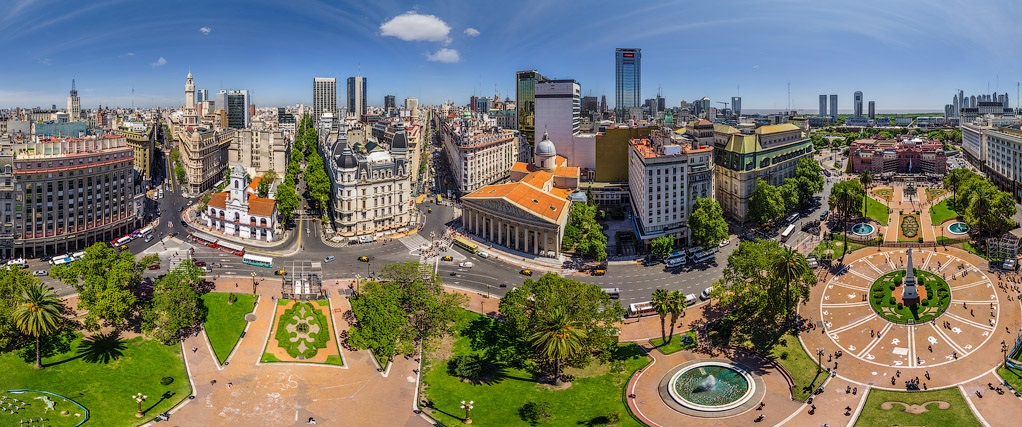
546,148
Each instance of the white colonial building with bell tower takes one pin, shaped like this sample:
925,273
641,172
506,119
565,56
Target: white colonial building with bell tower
240,212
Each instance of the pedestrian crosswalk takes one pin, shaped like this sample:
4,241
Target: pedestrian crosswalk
414,241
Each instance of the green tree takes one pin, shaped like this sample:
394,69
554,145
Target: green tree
590,198
989,210
380,319
179,172
866,180
662,246
38,315
263,189
583,232
287,199
809,169
707,222
176,305
13,283
954,181
790,193
105,280
558,338
752,286
659,301
529,306
846,198
766,203
791,268
676,307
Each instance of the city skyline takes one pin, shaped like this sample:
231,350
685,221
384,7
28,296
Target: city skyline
440,52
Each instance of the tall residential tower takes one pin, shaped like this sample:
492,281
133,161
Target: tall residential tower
857,106
324,96
357,96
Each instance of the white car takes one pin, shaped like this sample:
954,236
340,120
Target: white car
725,242
41,273
483,255
706,293
466,264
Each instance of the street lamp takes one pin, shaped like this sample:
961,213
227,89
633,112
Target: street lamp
468,409
819,354
139,398
254,285
1004,350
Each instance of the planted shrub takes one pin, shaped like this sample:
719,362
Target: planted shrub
926,302
898,280
534,412
892,301
900,306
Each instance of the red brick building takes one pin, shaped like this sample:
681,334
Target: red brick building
899,155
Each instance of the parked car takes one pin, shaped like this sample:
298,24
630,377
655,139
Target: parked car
329,258
725,242
216,264
363,258
154,267
483,255
525,272
447,258
41,273
466,264
650,260
706,293
200,263
690,300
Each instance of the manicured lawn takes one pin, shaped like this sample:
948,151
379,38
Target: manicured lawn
837,245
594,397
883,302
941,212
933,193
1012,376
877,211
315,319
909,228
972,249
225,322
102,374
883,193
675,345
958,415
800,365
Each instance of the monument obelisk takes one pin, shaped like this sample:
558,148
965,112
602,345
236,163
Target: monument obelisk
909,294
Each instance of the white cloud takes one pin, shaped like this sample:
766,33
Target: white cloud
205,30
159,62
445,55
412,26
131,54
43,61
471,32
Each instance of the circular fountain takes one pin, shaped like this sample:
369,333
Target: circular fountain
958,227
711,386
863,229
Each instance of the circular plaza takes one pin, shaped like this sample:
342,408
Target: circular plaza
868,334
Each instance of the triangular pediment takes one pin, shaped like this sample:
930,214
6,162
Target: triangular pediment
508,209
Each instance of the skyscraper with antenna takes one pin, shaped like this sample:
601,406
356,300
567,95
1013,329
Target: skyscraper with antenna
74,104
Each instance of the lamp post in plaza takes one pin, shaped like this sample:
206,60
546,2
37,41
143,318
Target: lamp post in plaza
254,284
1004,350
468,410
139,398
819,354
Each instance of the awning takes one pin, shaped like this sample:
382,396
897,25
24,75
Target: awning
205,237
231,245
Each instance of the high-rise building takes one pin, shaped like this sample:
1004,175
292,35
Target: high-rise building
857,106
482,105
412,105
872,110
357,96
525,103
389,102
956,106
238,112
558,112
833,108
736,105
823,105
201,95
473,101
324,96
74,104
627,81
191,117
603,104
661,104
590,106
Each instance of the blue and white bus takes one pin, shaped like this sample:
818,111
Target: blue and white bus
258,261
676,259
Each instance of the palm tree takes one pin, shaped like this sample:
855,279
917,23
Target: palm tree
675,306
38,315
558,338
953,181
978,208
659,303
866,179
789,267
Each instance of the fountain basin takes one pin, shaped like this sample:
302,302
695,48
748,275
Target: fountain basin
711,386
958,228
863,229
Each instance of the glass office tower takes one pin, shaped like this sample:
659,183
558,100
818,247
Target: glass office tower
627,81
525,103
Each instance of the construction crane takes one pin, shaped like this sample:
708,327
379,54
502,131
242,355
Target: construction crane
725,103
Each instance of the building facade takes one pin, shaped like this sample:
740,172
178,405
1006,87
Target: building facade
357,103
240,212
324,96
62,194
371,187
857,103
529,213
260,151
559,111
770,152
666,174
833,108
823,105
890,156
627,81
525,103
997,152
477,155
74,104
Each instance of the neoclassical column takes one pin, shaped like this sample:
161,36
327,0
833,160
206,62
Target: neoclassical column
535,241
546,241
525,239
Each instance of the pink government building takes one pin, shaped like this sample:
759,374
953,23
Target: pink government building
899,155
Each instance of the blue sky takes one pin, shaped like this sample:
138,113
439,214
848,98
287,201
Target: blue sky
902,54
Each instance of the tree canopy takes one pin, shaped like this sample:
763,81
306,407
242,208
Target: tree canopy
982,205
106,281
707,222
583,233
176,305
766,203
662,246
13,282
847,198
529,307
755,285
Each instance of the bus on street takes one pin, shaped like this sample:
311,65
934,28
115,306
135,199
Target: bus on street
639,309
465,244
258,261
787,233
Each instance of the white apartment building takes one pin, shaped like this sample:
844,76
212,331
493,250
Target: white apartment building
666,174
998,153
478,156
324,96
371,188
559,115
259,151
